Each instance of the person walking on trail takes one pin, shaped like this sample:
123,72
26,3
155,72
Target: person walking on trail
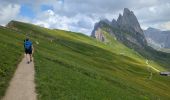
28,50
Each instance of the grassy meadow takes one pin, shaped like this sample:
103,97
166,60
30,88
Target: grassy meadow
72,66
11,50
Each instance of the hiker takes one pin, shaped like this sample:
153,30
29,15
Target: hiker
28,49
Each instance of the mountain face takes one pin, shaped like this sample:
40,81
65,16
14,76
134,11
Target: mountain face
129,22
126,29
157,38
97,32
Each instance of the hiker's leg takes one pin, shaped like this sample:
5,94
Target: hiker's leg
30,57
27,57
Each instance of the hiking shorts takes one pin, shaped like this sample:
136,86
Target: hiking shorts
28,51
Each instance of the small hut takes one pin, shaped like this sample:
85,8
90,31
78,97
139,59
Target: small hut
165,73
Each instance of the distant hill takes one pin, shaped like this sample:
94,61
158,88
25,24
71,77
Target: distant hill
157,38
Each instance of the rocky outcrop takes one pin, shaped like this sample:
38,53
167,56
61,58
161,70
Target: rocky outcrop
99,35
11,25
157,38
97,31
126,29
114,23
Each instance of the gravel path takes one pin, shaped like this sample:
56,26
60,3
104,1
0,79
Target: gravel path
22,86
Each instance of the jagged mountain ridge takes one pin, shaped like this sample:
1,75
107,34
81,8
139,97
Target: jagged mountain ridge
129,22
130,34
127,29
157,38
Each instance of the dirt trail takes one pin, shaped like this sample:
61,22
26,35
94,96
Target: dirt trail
147,62
22,86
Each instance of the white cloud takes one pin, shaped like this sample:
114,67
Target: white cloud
80,15
165,26
154,16
8,12
152,9
77,23
51,20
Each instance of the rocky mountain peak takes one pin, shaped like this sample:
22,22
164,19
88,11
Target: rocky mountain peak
114,23
126,23
105,21
152,29
129,22
157,38
119,18
127,11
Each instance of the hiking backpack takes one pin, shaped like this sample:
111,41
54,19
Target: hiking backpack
27,45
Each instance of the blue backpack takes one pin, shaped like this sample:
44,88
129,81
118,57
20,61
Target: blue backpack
28,45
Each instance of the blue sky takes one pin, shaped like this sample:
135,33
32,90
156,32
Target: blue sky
46,7
81,15
27,11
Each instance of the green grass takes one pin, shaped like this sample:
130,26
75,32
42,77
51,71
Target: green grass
10,54
147,52
70,69
65,75
72,66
